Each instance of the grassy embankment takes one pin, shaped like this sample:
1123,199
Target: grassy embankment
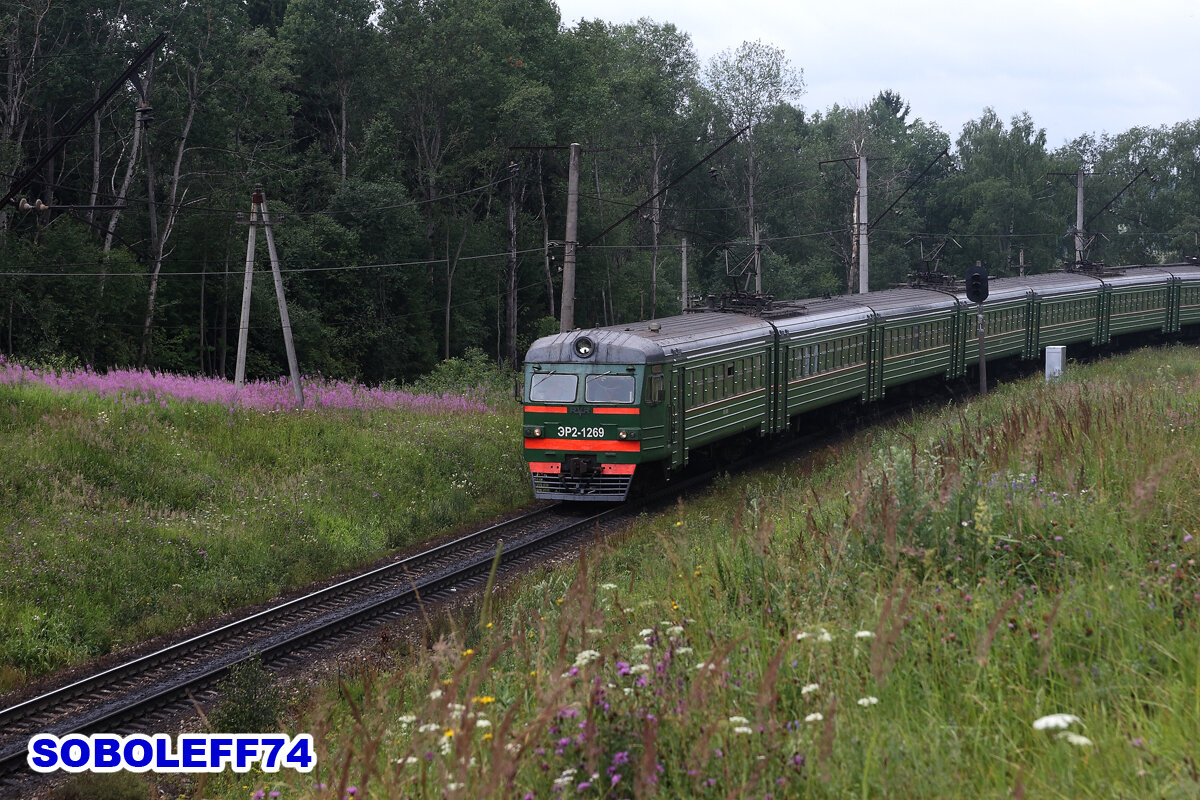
886,620
132,515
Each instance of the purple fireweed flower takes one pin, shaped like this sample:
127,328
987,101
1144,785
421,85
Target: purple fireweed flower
137,387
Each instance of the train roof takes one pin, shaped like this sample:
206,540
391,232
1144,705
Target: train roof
652,341
649,342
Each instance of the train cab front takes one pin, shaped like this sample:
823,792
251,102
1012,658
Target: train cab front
583,419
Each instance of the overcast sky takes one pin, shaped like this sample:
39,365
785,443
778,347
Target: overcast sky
1077,66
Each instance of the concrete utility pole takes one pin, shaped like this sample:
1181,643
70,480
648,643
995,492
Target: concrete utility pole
863,225
757,263
239,371
258,204
284,320
567,321
683,278
1079,216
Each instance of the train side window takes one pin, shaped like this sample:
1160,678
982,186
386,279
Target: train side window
654,389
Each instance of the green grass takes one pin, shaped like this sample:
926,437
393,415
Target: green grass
122,521
929,590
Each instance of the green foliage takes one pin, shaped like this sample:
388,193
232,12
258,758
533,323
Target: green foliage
250,701
890,618
474,374
104,786
391,138
124,521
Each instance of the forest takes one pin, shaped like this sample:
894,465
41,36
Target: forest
413,155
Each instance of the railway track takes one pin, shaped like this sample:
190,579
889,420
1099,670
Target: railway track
129,697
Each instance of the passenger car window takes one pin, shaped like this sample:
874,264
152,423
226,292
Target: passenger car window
553,388
608,389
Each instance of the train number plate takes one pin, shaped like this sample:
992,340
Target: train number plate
572,432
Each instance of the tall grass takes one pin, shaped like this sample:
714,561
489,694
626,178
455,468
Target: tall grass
124,518
1000,599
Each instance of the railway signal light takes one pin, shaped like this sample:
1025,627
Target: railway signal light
977,284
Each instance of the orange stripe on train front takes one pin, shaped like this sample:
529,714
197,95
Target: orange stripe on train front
617,410
583,445
547,409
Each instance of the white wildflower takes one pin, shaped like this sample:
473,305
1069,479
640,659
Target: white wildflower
595,631
608,587
801,636
865,635
816,716
683,651
641,648
1074,738
674,630
429,727
483,723
1054,722
825,636
743,729
408,719
810,688
436,694
586,657
644,632
638,669
867,701
737,720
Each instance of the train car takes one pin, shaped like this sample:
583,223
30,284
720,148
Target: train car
606,404
602,402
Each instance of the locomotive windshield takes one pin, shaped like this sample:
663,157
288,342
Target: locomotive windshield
609,389
553,388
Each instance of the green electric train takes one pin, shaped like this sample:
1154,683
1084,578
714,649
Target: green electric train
604,403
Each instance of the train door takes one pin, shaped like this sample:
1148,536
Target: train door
675,406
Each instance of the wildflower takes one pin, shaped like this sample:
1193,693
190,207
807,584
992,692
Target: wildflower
736,720
816,716
638,669
825,636
865,635
436,694
809,688
1054,721
429,727
484,700
468,652
683,651
674,630
483,723
641,648
586,657
608,586
1074,738
644,632
867,701
449,733
407,719
743,729
801,636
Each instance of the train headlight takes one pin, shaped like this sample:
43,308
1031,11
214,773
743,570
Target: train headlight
623,435
584,347
534,431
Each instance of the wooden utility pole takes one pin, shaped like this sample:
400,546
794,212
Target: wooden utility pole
239,370
567,322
